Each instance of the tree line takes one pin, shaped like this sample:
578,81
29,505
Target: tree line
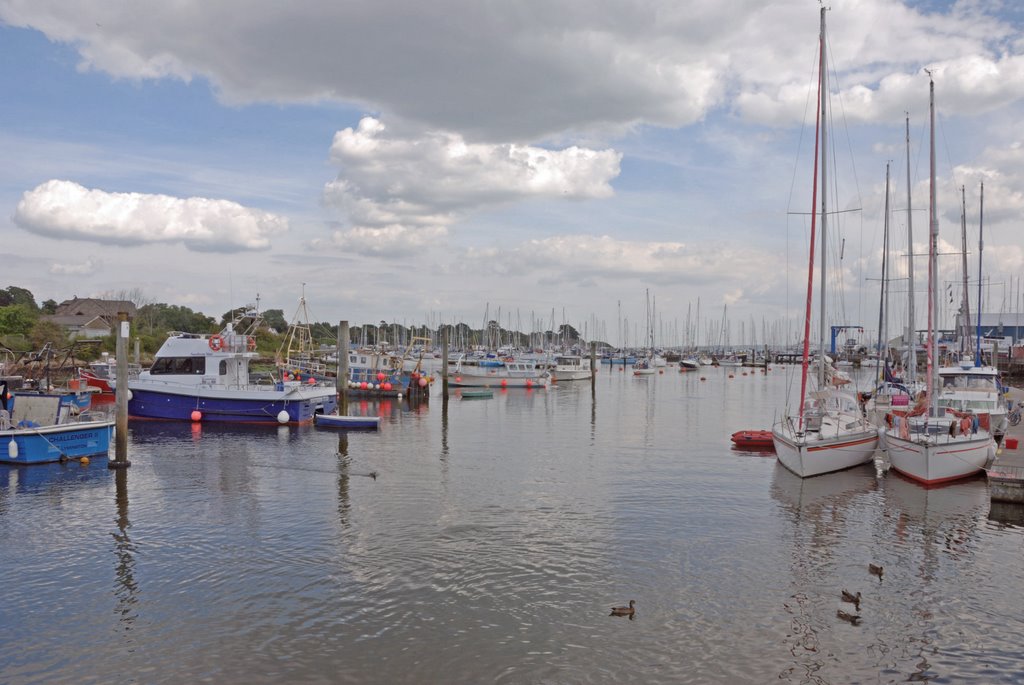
24,327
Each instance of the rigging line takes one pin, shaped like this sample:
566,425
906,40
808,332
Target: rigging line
949,158
856,180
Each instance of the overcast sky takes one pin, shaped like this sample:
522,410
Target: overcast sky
425,162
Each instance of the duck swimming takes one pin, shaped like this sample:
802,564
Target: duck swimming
853,599
852,619
875,570
624,611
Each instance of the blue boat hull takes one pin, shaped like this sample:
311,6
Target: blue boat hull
348,422
148,404
56,443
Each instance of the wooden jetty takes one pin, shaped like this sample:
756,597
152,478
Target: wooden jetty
1006,475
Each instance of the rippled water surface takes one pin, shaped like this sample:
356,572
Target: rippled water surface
490,547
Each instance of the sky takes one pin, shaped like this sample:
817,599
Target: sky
532,162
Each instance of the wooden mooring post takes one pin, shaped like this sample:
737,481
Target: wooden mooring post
593,364
120,459
444,363
341,382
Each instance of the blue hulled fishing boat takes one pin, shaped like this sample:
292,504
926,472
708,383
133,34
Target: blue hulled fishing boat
206,378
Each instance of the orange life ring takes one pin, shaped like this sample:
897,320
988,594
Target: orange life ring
251,343
216,342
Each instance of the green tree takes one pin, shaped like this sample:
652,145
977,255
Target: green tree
274,318
49,307
23,297
13,295
17,319
161,318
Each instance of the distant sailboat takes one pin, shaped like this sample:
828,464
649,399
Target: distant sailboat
645,366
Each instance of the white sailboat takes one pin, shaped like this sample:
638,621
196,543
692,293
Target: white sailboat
970,384
937,444
829,432
646,365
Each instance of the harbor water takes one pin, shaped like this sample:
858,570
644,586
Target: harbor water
486,540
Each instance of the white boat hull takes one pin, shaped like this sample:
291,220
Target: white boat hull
559,376
938,459
808,456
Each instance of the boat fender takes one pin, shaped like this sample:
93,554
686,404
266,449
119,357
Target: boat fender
216,342
250,343
12,449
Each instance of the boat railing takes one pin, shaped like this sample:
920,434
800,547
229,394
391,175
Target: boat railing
91,415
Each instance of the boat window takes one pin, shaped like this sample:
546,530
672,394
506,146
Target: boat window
178,366
980,383
223,367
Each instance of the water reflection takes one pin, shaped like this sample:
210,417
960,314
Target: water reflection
822,512
55,480
126,588
1009,514
344,503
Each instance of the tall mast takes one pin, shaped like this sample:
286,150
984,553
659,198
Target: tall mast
822,323
911,343
883,304
981,246
814,201
964,320
933,240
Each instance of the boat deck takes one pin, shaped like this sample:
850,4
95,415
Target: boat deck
1006,476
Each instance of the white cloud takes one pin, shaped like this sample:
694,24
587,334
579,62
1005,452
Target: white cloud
534,69
389,182
90,266
574,258
64,209
389,241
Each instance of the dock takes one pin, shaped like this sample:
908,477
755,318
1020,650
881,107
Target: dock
1006,475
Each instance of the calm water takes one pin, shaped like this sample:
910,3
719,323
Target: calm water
490,547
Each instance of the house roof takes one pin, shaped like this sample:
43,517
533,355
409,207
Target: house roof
93,307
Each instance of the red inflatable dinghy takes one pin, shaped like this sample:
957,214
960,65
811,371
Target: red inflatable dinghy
753,438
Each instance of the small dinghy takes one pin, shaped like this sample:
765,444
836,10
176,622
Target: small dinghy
753,438
477,394
349,422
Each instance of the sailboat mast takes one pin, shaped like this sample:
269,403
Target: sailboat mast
911,342
814,201
883,303
823,100
963,326
981,246
933,240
